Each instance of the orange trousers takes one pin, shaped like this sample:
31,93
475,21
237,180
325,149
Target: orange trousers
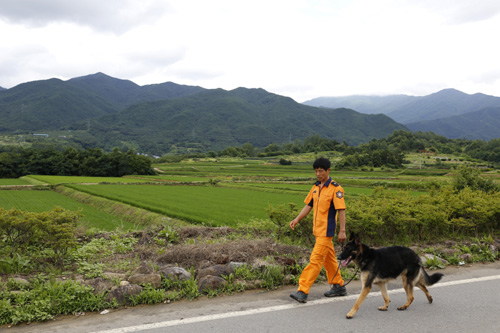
323,254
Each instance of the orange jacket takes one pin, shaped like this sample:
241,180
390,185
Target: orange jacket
325,204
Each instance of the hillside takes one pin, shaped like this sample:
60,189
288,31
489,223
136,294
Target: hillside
443,104
483,125
123,93
46,105
435,112
409,109
363,103
215,119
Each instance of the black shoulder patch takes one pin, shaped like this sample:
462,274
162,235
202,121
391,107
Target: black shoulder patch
335,184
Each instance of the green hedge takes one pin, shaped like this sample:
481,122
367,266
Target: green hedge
388,217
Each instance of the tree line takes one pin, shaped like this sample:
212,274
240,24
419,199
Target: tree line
18,162
385,152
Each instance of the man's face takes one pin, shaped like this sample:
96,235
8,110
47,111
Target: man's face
322,175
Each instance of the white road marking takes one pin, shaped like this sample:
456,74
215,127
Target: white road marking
293,305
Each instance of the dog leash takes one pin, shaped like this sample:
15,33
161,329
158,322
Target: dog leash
338,268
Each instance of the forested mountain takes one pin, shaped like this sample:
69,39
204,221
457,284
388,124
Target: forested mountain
123,93
483,125
101,111
433,112
50,104
215,119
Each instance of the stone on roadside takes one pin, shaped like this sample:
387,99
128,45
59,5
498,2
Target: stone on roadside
143,279
122,293
210,282
174,272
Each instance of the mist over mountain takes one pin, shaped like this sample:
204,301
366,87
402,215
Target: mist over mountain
483,124
363,103
443,104
434,112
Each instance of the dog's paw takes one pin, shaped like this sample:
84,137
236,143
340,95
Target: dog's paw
383,308
403,307
350,315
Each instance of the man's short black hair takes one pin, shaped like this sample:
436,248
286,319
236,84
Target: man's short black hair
322,163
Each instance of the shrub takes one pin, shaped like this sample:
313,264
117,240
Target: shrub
21,232
389,218
281,217
467,177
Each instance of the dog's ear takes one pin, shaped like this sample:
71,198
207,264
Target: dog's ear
357,240
351,237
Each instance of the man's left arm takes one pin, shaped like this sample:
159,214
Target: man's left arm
341,218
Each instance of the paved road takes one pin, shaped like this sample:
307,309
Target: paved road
465,300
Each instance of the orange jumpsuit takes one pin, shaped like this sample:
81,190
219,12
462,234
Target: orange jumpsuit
325,204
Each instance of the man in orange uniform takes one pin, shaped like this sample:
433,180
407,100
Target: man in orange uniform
326,199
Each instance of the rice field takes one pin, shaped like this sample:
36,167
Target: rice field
216,206
12,182
245,190
40,201
54,180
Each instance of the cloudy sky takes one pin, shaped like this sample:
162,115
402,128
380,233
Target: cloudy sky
297,48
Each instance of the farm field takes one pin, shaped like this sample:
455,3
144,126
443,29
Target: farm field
40,201
245,188
303,189
209,205
54,180
11,181
236,169
270,171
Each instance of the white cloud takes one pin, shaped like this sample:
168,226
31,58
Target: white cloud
298,48
110,15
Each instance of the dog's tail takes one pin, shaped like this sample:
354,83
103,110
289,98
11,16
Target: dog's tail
431,279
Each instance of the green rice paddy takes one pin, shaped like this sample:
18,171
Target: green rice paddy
241,190
40,201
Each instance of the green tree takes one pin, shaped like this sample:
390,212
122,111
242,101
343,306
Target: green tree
467,177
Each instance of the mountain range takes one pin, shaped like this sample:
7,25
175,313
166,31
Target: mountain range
101,111
449,112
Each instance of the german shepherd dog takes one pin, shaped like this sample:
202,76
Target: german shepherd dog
379,266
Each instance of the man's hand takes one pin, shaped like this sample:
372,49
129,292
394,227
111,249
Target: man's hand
342,236
303,213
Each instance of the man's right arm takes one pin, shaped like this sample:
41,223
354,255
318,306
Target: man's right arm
301,215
